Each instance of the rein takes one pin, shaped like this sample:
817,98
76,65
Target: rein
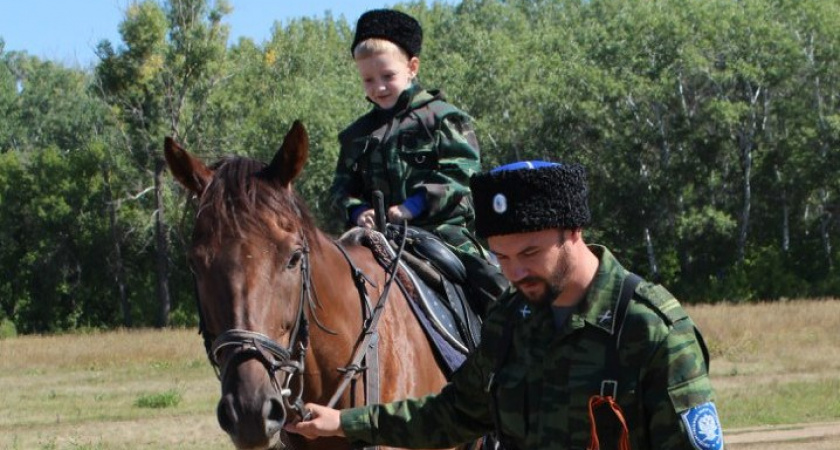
369,326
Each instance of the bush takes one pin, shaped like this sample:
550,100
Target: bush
7,329
183,318
168,399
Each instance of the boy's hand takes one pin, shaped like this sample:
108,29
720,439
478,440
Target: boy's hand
367,219
323,422
398,213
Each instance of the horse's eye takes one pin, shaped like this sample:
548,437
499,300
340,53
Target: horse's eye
294,260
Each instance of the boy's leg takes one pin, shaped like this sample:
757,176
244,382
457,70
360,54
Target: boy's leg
484,278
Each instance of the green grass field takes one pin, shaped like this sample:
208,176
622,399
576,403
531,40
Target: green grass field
775,363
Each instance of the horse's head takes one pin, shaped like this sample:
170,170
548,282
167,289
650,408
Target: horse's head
249,254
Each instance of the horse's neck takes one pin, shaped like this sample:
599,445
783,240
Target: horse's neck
335,285
328,264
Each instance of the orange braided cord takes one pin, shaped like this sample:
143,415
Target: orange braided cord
594,402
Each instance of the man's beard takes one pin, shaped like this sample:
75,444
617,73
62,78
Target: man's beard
554,284
551,291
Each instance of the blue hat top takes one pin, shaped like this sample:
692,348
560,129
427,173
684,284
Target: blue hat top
525,165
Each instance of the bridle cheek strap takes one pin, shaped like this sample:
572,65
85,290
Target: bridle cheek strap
271,354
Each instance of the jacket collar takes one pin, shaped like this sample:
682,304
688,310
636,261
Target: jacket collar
598,308
413,97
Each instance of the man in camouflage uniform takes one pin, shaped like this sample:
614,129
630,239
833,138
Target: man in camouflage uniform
566,361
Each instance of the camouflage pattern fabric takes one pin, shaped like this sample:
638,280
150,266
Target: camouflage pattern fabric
421,145
550,375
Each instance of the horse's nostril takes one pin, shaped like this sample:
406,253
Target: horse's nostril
275,415
226,414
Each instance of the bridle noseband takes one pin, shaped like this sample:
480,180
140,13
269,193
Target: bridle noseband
247,344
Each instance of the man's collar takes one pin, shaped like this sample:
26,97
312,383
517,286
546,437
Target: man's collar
598,308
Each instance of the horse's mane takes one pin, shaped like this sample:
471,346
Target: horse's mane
242,193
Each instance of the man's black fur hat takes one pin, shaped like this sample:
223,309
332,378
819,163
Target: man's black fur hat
391,25
530,196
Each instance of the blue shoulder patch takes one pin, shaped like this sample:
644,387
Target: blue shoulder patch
703,427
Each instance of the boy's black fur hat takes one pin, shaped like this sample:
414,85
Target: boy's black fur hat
530,196
391,25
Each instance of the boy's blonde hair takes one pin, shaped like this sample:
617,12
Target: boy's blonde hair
375,46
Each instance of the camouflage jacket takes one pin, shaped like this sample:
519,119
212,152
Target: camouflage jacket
550,375
421,145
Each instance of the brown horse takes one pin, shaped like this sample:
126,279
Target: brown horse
264,273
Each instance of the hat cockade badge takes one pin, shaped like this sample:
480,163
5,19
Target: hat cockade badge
500,203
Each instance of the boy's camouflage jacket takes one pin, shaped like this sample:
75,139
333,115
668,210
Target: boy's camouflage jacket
550,375
421,145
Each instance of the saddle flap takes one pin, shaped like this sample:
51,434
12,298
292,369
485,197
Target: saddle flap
431,248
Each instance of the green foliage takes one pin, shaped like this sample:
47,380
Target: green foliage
59,193
7,328
184,316
167,399
709,131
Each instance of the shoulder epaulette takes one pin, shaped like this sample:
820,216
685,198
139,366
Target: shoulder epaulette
662,301
442,109
434,109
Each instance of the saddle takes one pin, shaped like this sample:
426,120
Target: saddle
433,278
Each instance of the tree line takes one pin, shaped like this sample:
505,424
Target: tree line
709,129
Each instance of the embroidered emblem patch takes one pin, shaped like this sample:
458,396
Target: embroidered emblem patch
605,318
500,203
703,427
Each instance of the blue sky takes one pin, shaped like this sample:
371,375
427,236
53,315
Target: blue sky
67,31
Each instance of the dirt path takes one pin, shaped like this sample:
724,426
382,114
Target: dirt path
813,436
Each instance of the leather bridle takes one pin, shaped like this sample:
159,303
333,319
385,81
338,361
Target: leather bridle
290,360
246,344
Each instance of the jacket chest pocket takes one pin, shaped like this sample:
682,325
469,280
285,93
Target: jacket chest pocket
418,150
359,156
588,379
511,393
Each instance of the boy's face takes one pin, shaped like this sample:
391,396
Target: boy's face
385,75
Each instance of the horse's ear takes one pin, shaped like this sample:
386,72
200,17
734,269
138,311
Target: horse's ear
289,160
187,169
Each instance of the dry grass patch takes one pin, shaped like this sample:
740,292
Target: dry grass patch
771,363
93,391
101,349
774,362
792,338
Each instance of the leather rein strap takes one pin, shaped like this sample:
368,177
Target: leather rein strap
366,347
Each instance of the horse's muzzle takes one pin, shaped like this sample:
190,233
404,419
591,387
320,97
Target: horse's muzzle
255,426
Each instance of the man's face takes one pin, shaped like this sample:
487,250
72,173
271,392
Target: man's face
536,262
